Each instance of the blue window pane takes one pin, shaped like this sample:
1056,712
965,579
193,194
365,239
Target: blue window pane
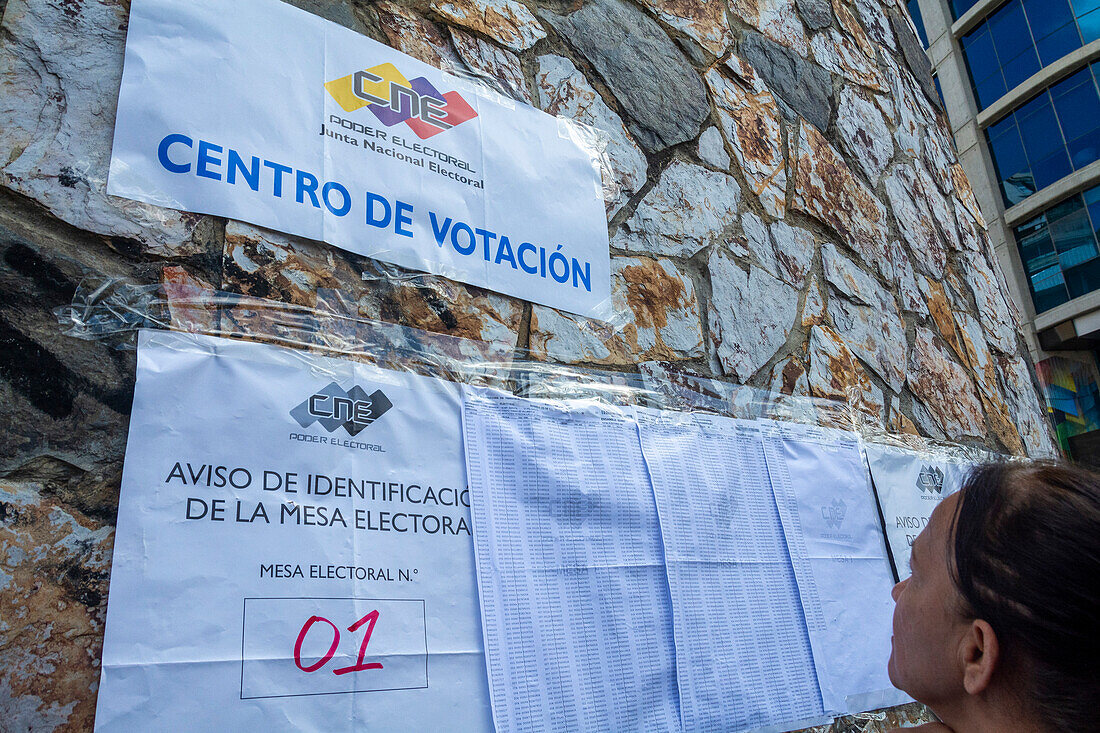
1058,44
1018,187
961,6
1073,238
1085,149
1060,250
990,89
1039,128
1050,169
1077,105
1049,292
1018,69
1094,214
1008,153
1060,211
1008,26
918,21
1036,250
980,55
1080,7
1084,278
1090,26
1047,16
1001,127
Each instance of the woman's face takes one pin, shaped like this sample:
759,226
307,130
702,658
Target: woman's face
928,621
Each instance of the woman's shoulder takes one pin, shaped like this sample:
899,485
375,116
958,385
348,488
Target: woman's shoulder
926,728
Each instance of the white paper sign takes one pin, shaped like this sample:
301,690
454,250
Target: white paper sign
293,548
909,486
258,111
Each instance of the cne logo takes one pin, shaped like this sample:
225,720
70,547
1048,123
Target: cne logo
833,513
393,99
334,408
930,479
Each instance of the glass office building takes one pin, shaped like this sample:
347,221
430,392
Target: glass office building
1020,81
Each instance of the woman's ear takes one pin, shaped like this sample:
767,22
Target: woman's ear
980,654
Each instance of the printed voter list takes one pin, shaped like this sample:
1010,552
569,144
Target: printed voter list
285,540
261,112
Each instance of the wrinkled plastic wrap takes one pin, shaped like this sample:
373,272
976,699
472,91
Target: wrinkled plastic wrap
113,311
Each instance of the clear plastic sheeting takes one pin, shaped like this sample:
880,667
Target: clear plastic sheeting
114,311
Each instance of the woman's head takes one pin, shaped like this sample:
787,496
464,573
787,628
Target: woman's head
1004,595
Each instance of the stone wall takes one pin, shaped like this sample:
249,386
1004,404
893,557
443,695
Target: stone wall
790,213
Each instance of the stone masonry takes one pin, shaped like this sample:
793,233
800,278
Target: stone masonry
787,211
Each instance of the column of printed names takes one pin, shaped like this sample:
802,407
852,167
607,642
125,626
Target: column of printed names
822,489
743,653
574,597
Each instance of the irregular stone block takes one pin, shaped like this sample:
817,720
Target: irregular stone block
997,320
498,68
817,14
945,388
776,19
189,301
912,299
826,189
271,265
965,193
712,149
908,113
750,120
803,85
788,377
645,71
940,310
784,251
54,571
702,21
917,220
759,242
751,314
66,401
661,312
813,309
57,114
1026,409
875,335
985,368
875,21
564,91
409,32
687,210
841,55
794,251
927,423
939,155
835,374
871,325
864,132
848,278
915,56
899,422
505,21
853,29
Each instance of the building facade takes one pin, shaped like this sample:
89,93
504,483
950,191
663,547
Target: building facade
1020,81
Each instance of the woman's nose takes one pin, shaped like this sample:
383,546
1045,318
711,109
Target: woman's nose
897,589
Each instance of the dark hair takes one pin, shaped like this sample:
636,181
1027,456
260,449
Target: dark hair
1027,561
